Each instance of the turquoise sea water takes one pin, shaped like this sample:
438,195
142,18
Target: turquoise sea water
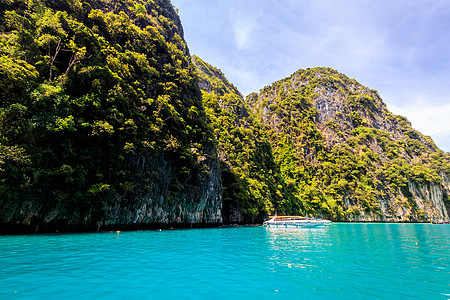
343,261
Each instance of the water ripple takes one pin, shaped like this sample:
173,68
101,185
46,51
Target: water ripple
344,261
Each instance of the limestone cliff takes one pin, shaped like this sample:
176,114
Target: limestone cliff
249,174
101,120
358,161
103,127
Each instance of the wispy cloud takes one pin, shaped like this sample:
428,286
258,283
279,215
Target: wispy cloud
242,28
244,25
398,47
245,77
429,118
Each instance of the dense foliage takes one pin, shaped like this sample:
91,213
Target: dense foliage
317,143
250,178
341,152
100,104
85,86
212,79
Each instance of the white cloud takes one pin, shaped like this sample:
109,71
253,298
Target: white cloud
398,47
244,24
428,117
248,80
242,29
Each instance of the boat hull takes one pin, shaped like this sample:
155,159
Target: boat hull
295,222
296,225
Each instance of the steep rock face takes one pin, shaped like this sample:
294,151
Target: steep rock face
350,158
109,130
429,198
154,204
446,192
157,203
250,177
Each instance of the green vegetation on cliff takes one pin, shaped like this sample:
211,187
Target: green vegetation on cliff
85,88
212,79
102,121
250,178
318,143
342,153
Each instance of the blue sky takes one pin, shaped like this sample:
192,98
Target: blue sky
399,47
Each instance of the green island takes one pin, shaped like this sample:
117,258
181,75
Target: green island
107,122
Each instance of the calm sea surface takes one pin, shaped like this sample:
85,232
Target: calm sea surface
343,261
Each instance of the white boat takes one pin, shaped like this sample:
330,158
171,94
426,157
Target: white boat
295,222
